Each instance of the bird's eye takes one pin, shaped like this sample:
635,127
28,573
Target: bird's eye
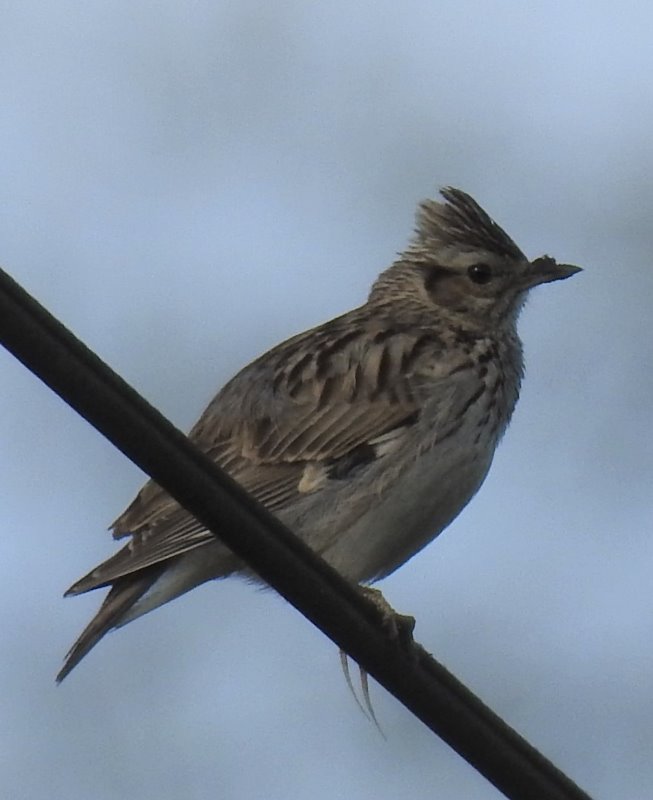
480,273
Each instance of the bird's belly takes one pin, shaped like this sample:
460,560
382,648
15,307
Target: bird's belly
413,510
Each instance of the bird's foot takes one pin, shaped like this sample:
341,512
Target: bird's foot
398,626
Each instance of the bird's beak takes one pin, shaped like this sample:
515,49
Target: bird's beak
546,269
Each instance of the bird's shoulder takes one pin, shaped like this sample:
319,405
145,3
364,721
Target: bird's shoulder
363,369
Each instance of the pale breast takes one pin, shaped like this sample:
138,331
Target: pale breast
394,508
423,499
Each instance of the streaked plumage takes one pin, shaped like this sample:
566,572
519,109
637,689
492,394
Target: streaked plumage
366,435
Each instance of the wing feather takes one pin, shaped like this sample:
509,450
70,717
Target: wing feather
309,402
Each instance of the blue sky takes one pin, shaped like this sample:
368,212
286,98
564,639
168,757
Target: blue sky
184,185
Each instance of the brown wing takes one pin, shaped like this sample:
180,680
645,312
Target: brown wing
281,425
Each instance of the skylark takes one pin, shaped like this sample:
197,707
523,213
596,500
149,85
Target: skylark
366,435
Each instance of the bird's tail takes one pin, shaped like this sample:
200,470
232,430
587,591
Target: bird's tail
124,593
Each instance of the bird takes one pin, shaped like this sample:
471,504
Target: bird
366,435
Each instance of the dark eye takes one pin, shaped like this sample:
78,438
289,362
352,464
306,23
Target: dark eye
480,273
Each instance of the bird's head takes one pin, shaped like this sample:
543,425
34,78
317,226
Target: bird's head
465,265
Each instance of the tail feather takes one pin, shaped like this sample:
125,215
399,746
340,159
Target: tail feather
122,596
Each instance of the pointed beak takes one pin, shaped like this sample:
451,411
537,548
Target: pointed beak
546,269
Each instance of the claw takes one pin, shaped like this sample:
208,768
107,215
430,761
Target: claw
365,689
344,663
367,708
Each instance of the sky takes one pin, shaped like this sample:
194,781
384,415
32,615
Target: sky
186,184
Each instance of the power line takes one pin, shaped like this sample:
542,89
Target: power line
417,680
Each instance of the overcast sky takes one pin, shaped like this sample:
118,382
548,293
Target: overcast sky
186,184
